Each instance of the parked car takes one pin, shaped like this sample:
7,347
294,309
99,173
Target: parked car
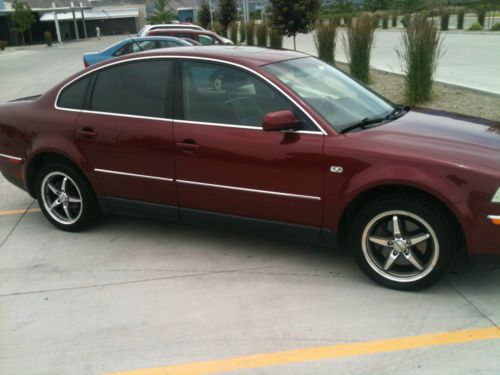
249,133
205,37
133,45
144,31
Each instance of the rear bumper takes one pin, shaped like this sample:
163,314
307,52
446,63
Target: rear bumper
12,169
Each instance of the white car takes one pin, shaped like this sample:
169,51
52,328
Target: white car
147,28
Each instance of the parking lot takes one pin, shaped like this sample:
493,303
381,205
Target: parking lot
141,296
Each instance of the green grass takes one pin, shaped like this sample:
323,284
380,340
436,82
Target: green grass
325,38
476,27
262,35
358,41
275,38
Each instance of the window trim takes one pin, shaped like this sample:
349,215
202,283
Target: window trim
320,131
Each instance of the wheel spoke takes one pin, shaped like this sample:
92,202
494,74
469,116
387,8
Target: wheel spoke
64,182
415,240
74,200
413,260
55,204
52,188
66,211
390,260
379,240
396,227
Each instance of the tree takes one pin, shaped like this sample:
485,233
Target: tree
227,13
22,17
375,5
292,17
161,15
204,14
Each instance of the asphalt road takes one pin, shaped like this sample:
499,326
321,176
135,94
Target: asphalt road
136,293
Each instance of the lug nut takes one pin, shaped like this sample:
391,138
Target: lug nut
394,253
408,242
389,243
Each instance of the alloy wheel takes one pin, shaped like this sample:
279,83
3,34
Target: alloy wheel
61,198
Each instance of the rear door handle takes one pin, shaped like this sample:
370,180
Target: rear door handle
187,145
86,132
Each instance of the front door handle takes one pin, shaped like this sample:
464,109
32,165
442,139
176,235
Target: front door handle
87,132
187,145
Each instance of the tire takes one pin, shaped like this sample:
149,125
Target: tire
412,258
73,202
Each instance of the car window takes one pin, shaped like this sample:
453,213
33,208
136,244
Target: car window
219,94
138,88
143,46
73,96
124,50
185,35
206,40
167,44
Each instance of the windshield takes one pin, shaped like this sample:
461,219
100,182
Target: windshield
337,98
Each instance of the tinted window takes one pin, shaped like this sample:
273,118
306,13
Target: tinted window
143,46
206,40
138,88
167,44
219,94
73,96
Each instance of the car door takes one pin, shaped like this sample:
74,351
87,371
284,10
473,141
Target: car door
226,163
125,132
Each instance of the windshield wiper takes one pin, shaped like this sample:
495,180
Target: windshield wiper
396,113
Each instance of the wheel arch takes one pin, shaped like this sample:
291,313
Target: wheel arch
399,190
43,158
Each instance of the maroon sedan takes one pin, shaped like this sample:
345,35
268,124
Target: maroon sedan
251,133
204,37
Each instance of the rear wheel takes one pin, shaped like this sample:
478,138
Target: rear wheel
403,244
66,198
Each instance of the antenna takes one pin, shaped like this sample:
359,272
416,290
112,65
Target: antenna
130,37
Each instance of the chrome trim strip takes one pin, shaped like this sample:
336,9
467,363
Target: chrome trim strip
126,115
321,130
188,122
494,217
133,175
11,157
250,190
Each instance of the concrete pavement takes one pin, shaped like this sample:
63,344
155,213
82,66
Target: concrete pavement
136,293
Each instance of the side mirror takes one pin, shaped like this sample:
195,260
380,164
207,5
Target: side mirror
281,120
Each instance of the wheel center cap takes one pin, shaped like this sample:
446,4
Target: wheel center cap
400,245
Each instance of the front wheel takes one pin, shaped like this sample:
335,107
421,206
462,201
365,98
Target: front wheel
66,198
402,244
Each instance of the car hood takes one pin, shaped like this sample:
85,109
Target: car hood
448,137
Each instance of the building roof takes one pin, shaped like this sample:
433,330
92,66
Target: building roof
92,14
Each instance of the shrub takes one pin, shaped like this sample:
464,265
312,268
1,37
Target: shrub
419,54
250,33
495,27
385,20
358,41
217,28
48,38
262,35
3,44
233,32
445,19
460,18
481,15
475,27
275,38
243,35
376,19
394,16
325,38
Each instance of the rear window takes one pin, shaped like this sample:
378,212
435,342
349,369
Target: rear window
73,96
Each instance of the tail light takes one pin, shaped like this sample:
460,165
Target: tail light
85,63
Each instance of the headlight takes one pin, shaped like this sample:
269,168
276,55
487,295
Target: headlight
496,197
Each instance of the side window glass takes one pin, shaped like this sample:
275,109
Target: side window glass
206,40
126,49
218,94
138,88
73,96
143,46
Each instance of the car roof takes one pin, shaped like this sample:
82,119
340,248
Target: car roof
248,56
184,30
154,37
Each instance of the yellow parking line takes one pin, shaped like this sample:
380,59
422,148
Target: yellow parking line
19,212
322,353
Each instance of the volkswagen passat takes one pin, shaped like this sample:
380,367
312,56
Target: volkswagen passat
277,136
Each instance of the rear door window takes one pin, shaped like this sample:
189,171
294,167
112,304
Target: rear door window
73,96
138,88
